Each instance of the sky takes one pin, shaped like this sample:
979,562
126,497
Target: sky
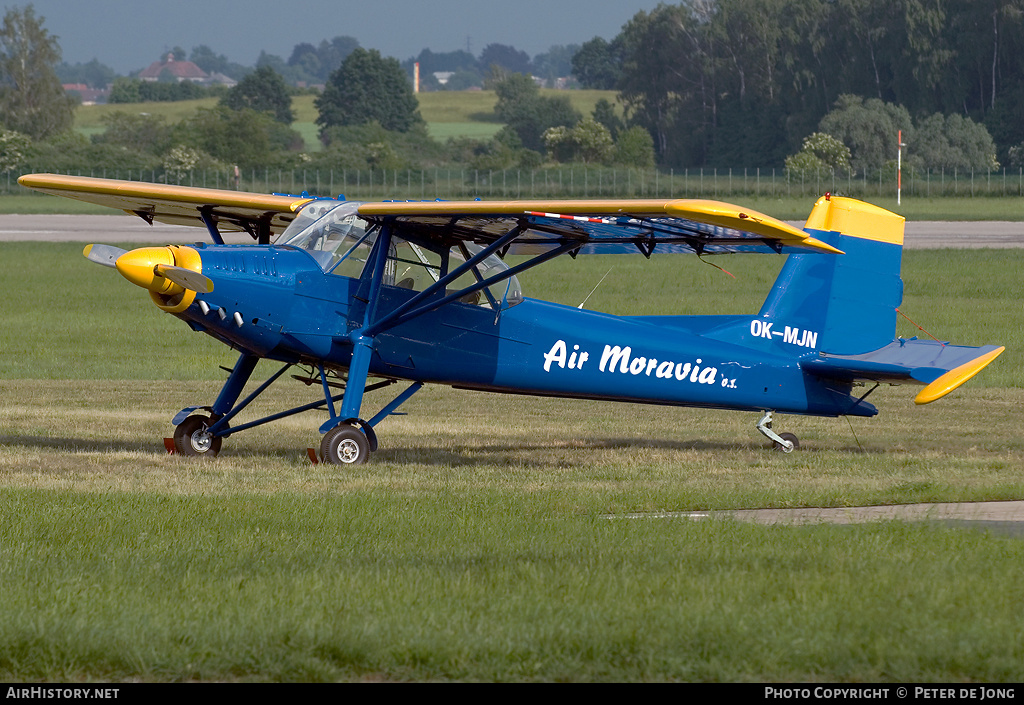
128,35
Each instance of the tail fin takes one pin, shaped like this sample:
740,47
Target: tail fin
850,300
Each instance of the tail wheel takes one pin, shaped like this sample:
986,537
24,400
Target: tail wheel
791,437
344,445
192,437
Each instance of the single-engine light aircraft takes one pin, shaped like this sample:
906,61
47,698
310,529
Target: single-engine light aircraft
360,296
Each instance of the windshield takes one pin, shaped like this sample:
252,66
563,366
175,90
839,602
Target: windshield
332,233
327,230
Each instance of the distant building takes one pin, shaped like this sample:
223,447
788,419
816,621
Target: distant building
89,96
180,70
222,79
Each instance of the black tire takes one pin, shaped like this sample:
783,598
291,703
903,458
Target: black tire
192,440
344,445
791,437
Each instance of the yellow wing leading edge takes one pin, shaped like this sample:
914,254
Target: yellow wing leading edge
178,205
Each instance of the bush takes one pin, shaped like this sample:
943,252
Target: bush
634,147
821,153
953,142
180,161
14,148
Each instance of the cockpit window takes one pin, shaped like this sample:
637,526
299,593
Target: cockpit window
500,295
341,242
411,266
330,231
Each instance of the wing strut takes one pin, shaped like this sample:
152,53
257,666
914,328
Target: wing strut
389,321
205,213
392,321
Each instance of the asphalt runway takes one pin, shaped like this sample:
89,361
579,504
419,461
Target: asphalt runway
126,228
1002,517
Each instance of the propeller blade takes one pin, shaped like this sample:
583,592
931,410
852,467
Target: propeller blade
186,278
103,254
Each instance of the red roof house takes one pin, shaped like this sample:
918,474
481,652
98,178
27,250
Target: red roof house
181,70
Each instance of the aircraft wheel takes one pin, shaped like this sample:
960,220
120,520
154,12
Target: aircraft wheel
344,445
191,437
791,437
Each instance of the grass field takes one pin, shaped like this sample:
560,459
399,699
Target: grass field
477,545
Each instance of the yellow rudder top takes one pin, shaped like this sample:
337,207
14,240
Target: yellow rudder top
857,219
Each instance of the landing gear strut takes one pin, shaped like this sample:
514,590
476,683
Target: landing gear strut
347,440
785,442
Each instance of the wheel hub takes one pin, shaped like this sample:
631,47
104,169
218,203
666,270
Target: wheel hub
202,440
348,450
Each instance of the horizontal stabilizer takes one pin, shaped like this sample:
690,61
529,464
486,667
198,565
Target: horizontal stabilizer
939,366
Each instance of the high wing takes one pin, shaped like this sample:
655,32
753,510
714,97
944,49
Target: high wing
524,227
599,227
218,210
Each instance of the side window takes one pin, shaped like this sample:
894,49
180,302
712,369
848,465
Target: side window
500,295
353,254
411,266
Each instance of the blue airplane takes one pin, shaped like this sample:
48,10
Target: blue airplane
361,296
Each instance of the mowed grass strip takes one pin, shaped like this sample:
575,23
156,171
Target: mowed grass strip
101,435
488,585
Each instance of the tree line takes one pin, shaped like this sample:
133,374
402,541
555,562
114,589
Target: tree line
809,84
368,119
728,82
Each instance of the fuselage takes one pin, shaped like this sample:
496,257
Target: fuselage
292,310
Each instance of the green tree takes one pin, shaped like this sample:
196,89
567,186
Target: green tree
821,153
366,88
371,146
125,90
604,113
510,59
205,58
598,64
13,149
594,143
263,90
139,133
555,63
588,141
869,127
634,147
953,142
93,74
32,100
180,161
244,137
667,81
527,113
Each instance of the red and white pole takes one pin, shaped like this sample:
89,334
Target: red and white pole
899,165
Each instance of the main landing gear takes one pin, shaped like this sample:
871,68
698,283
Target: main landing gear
192,437
785,442
344,445
347,440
